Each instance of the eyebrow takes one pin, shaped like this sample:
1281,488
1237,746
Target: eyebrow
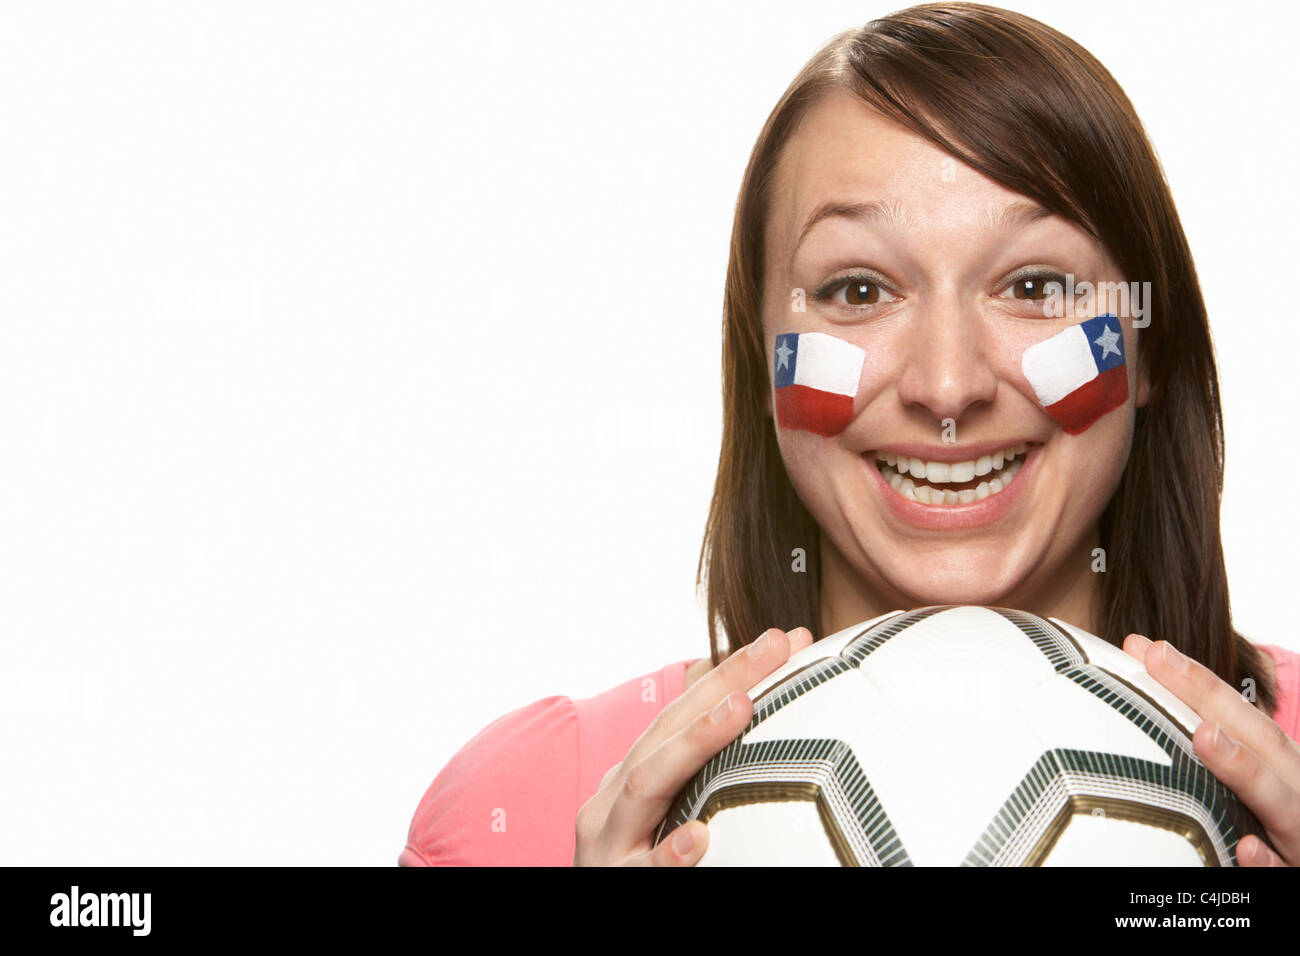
998,218
1019,213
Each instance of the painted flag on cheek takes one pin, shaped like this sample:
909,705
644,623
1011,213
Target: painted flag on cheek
1079,374
816,378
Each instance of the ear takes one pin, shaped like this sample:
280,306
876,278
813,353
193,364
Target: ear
1143,384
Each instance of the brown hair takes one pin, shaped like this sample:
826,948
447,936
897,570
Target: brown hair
1034,111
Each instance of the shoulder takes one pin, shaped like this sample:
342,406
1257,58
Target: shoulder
490,804
511,794
1286,673
610,723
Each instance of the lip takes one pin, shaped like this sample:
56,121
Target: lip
951,517
951,453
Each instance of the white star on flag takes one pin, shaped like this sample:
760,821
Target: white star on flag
784,353
1107,341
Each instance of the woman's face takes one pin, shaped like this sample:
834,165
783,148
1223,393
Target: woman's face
946,295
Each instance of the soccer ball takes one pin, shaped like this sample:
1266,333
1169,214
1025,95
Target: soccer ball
963,736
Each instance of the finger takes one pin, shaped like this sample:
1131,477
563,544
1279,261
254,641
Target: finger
594,807
1275,802
1135,645
1252,851
800,639
743,669
1202,690
740,671
650,785
683,847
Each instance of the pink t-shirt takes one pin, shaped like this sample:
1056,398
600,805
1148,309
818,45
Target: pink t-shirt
511,795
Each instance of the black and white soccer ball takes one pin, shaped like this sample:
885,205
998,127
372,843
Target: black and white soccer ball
963,736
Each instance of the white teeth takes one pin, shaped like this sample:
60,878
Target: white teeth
962,471
940,472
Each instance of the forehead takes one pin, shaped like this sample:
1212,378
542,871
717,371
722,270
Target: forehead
844,150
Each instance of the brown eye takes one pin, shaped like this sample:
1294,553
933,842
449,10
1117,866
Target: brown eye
1036,286
858,290
861,293
1032,288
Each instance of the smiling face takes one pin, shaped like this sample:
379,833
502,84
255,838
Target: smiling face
950,482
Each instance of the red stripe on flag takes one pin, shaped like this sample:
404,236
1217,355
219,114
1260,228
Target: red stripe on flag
812,410
1087,403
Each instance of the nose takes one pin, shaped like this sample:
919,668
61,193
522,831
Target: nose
947,369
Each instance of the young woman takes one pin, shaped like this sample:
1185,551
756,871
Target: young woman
930,193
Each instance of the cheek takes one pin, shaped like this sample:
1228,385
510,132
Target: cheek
880,369
810,465
1090,467
815,382
1079,375
805,454
821,382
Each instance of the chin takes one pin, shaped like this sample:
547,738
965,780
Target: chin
961,578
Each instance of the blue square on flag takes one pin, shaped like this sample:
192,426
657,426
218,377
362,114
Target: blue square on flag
787,350
1106,337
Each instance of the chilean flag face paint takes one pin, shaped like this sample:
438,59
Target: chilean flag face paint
1079,374
816,378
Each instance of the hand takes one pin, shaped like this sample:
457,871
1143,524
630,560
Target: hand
1240,745
616,827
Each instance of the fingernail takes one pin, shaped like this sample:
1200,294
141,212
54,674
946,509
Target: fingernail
1257,854
721,712
683,841
1175,660
760,646
1142,642
1222,742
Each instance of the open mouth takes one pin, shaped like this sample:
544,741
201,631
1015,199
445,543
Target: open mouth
950,483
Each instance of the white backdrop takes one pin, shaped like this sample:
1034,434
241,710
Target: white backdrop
359,378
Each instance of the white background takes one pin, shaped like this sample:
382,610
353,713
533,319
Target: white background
359,378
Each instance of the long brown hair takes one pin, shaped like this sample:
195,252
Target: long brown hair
1034,111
